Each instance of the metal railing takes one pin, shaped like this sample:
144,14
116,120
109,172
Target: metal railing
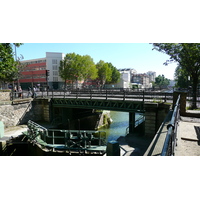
171,137
122,94
66,139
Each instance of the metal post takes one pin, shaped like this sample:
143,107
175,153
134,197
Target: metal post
113,148
53,137
90,93
143,95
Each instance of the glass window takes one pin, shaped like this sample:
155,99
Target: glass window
55,78
55,73
55,67
54,61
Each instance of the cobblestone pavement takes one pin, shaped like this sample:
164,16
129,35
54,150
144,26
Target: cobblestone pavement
188,143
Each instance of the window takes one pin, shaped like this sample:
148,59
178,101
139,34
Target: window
55,79
55,73
55,67
54,61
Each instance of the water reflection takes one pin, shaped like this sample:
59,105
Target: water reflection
119,125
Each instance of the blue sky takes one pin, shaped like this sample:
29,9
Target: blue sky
122,55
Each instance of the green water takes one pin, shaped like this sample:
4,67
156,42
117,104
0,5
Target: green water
118,127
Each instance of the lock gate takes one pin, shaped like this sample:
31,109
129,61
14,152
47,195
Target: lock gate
79,141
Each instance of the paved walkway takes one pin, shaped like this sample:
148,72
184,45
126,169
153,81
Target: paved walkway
188,135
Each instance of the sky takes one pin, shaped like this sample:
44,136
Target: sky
139,56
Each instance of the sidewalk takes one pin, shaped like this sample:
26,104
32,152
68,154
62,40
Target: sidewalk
188,134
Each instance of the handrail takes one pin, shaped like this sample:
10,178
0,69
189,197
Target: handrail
71,139
170,140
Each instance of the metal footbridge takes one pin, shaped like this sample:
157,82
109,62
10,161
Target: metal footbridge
117,100
106,99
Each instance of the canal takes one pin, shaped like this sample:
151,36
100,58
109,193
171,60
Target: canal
118,126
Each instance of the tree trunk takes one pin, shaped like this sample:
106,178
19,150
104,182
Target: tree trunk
65,85
194,93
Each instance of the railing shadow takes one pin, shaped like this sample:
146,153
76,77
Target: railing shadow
197,129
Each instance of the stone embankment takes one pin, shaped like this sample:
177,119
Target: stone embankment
12,114
4,96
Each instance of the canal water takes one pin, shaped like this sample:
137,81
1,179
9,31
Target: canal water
119,125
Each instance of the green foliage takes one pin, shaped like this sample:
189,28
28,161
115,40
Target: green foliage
9,67
181,78
115,74
161,81
89,69
107,73
75,67
134,87
104,72
187,56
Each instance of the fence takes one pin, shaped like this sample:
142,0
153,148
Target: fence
77,140
120,94
171,137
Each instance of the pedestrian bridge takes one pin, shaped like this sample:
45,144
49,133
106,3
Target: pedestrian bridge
117,100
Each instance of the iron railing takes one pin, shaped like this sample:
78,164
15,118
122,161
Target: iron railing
122,94
171,137
66,139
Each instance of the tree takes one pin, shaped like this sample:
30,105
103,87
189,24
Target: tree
115,74
187,56
88,68
181,78
161,81
104,72
64,71
9,67
75,67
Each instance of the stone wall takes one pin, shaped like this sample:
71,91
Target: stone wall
4,96
104,120
155,114
12,115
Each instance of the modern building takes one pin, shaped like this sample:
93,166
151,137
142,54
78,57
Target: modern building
36,71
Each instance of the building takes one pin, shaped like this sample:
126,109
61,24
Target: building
152,76
35,72
125,79
141,79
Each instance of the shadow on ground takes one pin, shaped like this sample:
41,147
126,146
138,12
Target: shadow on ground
139,143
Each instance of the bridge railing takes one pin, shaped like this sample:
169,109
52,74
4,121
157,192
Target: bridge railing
122,94
171,137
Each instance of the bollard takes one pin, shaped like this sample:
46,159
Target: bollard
1,129
113,148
